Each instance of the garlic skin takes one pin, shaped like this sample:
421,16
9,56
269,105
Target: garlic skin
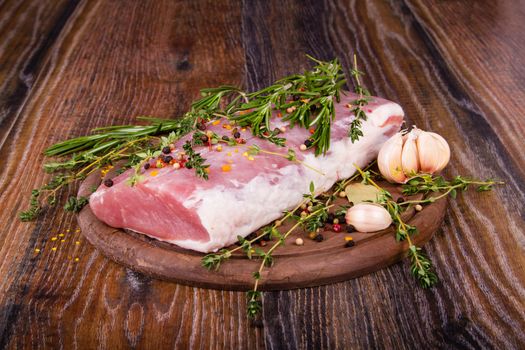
409,154
404,156
389,159
368,217
434,152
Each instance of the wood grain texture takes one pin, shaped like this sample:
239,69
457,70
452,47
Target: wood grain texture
456,67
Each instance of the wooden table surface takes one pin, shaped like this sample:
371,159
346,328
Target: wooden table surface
457,68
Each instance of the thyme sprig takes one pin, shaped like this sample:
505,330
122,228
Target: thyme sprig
290,155
421,267
426,183
254,303
355,131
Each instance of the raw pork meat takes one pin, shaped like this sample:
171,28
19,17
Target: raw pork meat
176,206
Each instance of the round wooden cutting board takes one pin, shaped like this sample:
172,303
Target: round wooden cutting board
313,264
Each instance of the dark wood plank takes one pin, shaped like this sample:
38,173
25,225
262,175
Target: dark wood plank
456,67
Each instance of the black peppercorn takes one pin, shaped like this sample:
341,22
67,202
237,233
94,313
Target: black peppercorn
108,182
330,218
350,244
237,135
308,143
146,166
168,159
166,150
201,126
350,228
319,238
276,131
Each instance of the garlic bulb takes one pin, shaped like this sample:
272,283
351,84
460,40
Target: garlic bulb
368,217
403,156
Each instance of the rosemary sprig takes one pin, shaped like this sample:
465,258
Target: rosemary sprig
308,100
357,106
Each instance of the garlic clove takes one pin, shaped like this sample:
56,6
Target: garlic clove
368,217
433,151
409,155
389,159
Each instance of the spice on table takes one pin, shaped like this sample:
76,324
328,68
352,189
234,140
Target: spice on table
349,244
342,194
54,239
77,259
154,173
226,168
37,250
299,241
303,147
319,238
54,249
77,242
418,207
350,228
108,182
166,150
146,166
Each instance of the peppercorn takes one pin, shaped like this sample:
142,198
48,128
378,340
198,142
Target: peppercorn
308,143
168,159
350,228
146,166
319,238
204,138
237,134
166,150
226,138
330,218
108,182
349,244
201,126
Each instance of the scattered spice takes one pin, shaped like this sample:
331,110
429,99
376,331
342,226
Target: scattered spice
166,150
108,182
154,173
37,250
349,244
319,238
299,241
226,168
418,207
